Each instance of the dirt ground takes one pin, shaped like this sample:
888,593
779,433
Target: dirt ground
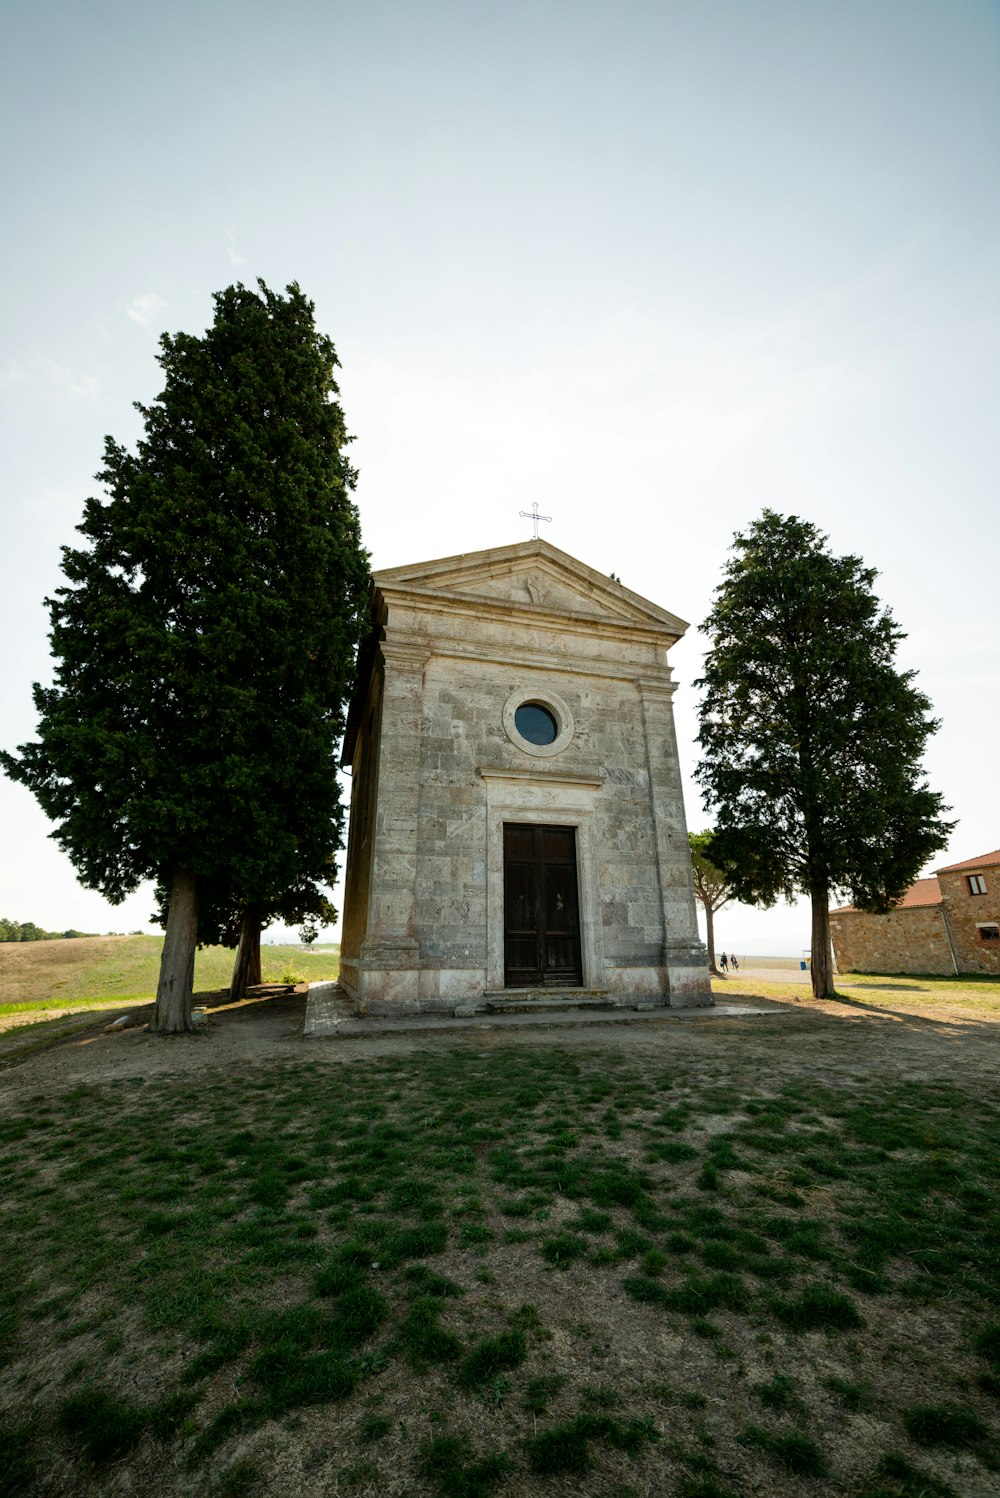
937,1038
942,1036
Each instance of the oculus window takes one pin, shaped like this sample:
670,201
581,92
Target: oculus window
536,724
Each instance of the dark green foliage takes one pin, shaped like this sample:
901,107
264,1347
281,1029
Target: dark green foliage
711,886
590,1221
104,1426
778,1394
791,1449
988,1345
374,1427
811,738
697,1296
671,1151
423,1339
944,1425
538,1392
424,1281
708,1177
702,1487
230,1421
566,1448
239,1480
167,1417
895,1477
205,637
490,1356
28,931
453,1471
852,1396
562,1250
819,1308
18,1461
286,1377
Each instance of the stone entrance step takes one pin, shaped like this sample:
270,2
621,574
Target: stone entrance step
546,1000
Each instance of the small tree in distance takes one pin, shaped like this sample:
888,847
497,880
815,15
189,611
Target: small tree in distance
811,738
711,885
205,639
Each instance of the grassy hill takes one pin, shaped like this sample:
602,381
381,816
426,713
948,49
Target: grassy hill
126,967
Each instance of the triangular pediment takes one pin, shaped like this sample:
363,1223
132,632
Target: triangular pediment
532,576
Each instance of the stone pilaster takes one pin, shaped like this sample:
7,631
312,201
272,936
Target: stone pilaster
389,957
683,956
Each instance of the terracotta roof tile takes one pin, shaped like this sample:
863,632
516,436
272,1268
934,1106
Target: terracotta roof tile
923,892
984,861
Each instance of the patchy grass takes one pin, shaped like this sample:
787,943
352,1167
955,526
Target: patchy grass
85,971
318,1260
979,993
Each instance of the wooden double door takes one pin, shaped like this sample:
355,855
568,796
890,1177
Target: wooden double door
541,908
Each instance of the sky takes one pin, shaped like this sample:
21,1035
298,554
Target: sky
653,266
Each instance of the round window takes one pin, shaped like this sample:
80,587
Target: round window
536,724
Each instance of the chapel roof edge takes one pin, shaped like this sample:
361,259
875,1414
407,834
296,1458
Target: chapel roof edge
428,576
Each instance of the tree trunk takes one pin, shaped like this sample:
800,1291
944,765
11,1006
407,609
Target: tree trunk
710,938
246,970
821,962
172,1011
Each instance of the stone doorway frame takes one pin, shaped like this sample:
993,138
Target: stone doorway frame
543,798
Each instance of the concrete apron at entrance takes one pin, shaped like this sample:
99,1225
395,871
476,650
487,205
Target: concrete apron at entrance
330,1014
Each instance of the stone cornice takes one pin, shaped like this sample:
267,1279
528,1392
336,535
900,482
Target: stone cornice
529,658
593,781
655,689
406,650
429,601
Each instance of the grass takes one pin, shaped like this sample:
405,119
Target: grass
978,992
193,1260
89,971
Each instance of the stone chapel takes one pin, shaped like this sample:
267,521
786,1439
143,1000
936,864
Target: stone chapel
517,830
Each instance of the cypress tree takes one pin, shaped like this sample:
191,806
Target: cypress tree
811,737
206,637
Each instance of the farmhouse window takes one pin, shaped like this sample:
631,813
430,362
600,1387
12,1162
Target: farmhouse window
989,933
977,884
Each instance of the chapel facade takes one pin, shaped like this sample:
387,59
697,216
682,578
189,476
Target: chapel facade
517,825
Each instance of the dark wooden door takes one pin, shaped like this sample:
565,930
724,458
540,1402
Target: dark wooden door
541,910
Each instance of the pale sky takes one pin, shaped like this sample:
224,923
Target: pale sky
653,265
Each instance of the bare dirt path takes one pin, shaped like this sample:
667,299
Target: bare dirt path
942,1037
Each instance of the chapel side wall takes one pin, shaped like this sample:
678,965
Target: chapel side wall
911,939
628,876
364,794
458,705
964,910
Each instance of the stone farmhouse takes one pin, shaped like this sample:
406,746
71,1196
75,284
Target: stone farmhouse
517,832
949,923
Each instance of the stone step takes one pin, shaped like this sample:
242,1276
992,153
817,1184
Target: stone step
546,1000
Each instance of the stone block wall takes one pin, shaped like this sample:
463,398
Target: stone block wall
908,940
968,913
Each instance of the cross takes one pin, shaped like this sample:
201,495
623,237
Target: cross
533,514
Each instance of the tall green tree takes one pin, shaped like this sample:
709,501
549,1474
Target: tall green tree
811,737
711,885
206,637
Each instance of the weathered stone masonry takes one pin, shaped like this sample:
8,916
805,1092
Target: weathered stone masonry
946,924
440,768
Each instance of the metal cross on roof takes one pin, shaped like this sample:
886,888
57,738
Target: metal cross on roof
533,514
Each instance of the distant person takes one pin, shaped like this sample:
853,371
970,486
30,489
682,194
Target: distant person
724,963
734,964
